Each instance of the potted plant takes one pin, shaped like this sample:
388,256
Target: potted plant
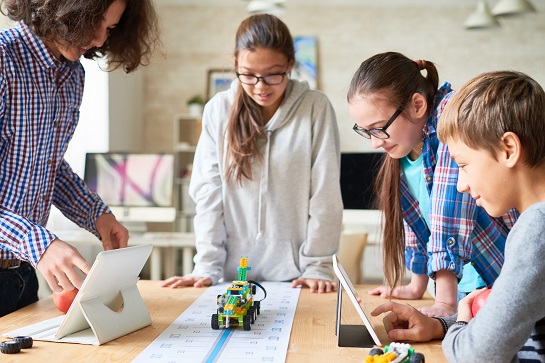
195,105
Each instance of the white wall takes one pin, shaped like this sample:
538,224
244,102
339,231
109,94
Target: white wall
126,110
199,35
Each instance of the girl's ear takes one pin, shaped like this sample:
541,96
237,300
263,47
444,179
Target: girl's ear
291,64
510,150
419,105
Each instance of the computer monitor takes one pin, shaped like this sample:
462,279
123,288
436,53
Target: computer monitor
358,172
137,187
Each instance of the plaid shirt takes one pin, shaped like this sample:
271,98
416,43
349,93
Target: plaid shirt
461,230
40,98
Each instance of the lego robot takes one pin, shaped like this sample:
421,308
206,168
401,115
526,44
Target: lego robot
237,307
395,353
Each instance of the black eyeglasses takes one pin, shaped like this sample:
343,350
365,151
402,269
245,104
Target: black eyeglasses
269,80
379,132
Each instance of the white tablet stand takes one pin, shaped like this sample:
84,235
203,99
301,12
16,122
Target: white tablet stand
107,306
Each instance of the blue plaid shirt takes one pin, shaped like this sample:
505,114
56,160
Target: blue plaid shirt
40,98
461,231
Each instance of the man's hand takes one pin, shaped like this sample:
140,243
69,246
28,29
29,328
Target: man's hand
58,263
112,233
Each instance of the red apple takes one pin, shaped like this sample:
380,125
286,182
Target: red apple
64,299
479,301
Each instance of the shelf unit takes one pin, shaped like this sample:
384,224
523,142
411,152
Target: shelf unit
187,129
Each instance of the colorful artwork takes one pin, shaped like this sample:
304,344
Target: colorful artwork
133,180
306,60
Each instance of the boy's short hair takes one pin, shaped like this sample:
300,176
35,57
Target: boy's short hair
492,104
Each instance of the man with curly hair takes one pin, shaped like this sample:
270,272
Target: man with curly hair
41,87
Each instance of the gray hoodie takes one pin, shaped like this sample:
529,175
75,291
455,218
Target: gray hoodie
287,220
510,327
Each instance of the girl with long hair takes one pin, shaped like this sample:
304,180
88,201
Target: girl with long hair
429,227
265,177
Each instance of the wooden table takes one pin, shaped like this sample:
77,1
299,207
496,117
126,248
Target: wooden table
312,337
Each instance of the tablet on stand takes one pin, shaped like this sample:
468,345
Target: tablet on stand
360,336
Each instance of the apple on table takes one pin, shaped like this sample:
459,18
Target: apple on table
64,299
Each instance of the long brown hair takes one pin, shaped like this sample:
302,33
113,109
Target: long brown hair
73,23
245,126
394,78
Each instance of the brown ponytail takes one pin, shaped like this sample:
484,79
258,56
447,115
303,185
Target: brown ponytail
394,78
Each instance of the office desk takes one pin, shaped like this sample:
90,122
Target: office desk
163,260
312,337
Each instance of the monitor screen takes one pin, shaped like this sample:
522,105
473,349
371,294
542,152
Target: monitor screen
358,171
131,180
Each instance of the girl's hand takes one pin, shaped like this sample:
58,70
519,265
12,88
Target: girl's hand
315,285
400,292
186,281
438,309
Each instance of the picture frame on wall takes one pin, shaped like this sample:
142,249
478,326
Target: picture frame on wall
218,80
306,60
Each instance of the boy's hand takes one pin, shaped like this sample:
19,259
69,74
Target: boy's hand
464,306
405,323
58,263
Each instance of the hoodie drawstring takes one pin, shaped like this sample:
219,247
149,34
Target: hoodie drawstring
263,189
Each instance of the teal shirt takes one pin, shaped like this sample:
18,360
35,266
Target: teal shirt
414,177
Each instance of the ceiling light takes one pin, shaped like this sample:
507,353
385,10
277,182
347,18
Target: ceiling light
481,17
275,7
509,7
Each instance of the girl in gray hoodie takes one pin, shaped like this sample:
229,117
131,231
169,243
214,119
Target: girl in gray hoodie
266,171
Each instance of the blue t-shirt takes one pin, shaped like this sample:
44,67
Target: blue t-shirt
412,169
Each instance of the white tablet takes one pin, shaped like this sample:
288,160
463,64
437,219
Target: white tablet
354,335
107,306
112,271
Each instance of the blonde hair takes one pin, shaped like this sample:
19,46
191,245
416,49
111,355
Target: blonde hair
493,103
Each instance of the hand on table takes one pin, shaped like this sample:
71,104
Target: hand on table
438,309
315,285
400,292
186,281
